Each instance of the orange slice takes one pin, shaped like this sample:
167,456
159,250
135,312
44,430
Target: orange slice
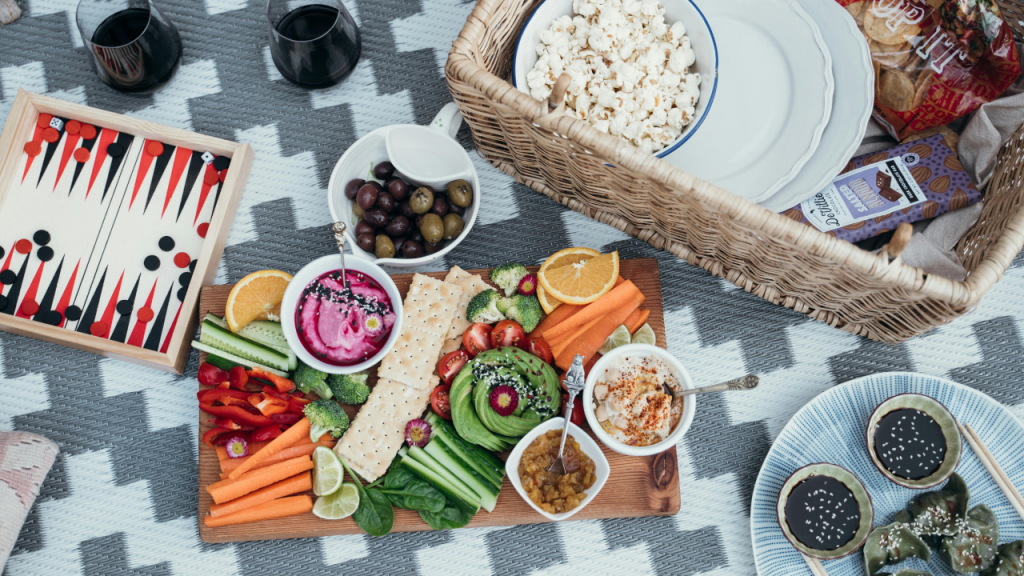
256,297
582,282
546,302
568,256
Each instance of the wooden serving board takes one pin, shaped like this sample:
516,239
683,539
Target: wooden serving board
638,486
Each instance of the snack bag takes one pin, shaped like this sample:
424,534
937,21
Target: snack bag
935,60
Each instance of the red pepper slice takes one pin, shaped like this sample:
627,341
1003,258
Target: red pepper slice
220,394
274,393
267,404
266,433
286,419
210,375
296,405
231,424
236,413
282,384
213,433
238,378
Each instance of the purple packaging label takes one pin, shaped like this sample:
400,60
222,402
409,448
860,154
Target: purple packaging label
877,192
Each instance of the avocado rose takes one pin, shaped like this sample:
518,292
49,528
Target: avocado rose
534,384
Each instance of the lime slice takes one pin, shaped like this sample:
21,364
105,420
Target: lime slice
618,338
645,335
328,473
341,504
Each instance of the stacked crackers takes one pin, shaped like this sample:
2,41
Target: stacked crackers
434,318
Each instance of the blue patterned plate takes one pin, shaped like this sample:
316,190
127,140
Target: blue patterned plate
831,428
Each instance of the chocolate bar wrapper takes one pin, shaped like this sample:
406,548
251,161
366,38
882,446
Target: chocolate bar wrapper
879,191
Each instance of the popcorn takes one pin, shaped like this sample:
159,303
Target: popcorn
629,70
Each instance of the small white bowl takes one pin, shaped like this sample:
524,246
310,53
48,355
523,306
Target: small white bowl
358,162
601,468
311,272
702,40
689,403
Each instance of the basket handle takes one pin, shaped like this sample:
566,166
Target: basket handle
557,98
900,239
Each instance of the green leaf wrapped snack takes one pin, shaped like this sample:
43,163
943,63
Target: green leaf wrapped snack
940,513
892,544
974,547
1009,560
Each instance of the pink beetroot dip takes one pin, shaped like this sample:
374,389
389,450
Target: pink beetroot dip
344,326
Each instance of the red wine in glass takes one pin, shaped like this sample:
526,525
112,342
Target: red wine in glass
132,45
316,44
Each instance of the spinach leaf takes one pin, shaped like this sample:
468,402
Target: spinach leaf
454,515
375,514
398,477
405,489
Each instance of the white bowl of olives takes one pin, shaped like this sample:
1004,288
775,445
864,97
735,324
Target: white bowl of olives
404,219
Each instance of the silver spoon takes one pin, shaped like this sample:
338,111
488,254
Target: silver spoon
574,382
747,382
339,237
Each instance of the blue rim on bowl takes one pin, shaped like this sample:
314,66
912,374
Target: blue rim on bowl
856,487
941,415
691,129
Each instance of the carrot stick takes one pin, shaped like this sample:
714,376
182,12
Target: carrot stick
557,316
613,300
628,322
286,487
286,454
222,452
280,508
229,464
227,490
638,322
567,338
289,438
589,343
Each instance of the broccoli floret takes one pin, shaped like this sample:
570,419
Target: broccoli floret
349,388
484,307
526,310
507,276
325,416
312,380
503,305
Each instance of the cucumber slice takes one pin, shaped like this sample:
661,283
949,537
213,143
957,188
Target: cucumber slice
221,363
213,335
229,357
465,492
216,320
270,334
477,483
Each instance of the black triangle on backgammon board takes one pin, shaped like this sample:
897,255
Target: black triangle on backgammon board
12,296
121,328
46,304
158,170
194,166
153,341
89,316
51,148
87,144
125,140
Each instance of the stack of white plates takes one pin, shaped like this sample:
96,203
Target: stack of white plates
795,93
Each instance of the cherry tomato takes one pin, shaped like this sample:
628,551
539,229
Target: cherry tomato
577,417
539,348
440,401
507,333
210,375
477,338
451,364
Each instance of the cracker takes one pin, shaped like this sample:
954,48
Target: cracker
857,11
922,87
413,358
376,434
451,345
876,28
890,56
456,275
470,287
430,305
896,91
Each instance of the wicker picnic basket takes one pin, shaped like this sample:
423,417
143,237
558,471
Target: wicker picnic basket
780,260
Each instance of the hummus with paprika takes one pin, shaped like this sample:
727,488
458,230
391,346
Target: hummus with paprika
630,402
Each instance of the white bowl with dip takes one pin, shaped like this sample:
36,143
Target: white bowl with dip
601,468
597,374
436,145
311,272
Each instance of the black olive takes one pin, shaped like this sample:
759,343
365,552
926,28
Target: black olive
431,248
367,196
365,242
376,217
398,225
352,187
412,249
455,208
405,210
419,221
384,170
416,235
398,188
385,201
364,227
398,241
440,206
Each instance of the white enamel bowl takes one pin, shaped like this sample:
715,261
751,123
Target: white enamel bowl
689,403
311,272
702,40
601,468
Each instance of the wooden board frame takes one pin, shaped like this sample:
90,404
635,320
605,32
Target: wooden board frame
18,131
638,486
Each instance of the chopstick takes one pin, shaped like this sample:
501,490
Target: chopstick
816,568
994,469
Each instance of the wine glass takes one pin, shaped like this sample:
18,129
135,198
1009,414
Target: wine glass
132,46
314,43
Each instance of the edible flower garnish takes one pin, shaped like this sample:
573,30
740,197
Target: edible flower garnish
417,433
237,447
504,400
528,285
373,324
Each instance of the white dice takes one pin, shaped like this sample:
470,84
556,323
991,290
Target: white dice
207,157
56,123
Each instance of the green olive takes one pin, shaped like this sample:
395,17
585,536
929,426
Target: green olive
453,226
432,228
358,210
422,200
460,193
384,248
